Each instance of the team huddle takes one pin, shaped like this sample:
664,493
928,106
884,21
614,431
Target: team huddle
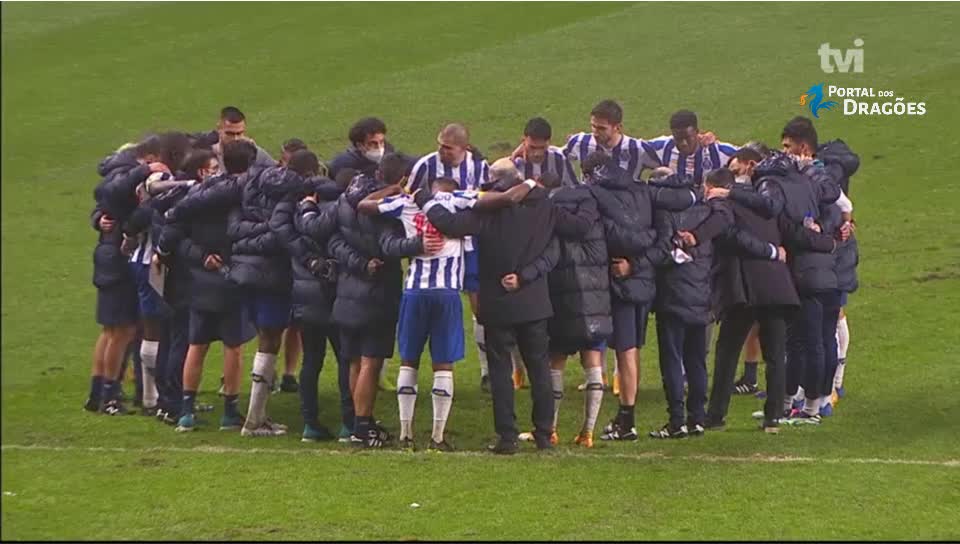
206,238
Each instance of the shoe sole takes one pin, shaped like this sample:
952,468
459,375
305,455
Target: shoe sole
771,430
180,429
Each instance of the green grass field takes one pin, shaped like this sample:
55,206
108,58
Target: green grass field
79,80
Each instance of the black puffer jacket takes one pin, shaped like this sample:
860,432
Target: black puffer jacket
626,210
195,228
840,161
684,290
115,197
363,298
259,258
580,282
847,259
781,186
305,230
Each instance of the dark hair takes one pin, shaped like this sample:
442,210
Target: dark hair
238,155
593,160
450,181
720,177
683,119
197,159
609,111
759,147
232,114
148,146
550,180
800,129
393,167
174,147
367,126
304,162
344,177
538,128
293,145
745,154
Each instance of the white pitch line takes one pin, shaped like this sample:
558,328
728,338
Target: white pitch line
640,456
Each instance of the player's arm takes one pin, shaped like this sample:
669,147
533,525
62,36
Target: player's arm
494,201
370,205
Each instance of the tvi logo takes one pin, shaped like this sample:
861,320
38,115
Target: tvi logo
843,59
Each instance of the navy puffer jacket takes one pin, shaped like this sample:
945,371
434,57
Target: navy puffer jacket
363,298
580,282
305,230
840,161
259,258
195,228
115,197
684,290
626,210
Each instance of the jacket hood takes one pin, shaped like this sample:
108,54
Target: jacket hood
279,182
608,174
778,164
119,159
674,181
837,152
324,187
359,188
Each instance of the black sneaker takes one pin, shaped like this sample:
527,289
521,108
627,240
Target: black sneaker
695,429
504,447
741,387
614,431
407,444
149,412
668,431
770,427
382,433
289,384
92,405
115,408
170,417
485,384
372,440
440,446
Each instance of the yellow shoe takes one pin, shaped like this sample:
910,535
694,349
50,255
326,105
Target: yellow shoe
584,439
616,385
834,398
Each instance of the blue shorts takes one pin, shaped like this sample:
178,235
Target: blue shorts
117,305
232,327
269,310
152,305
567,348
436,314
471,271
629,324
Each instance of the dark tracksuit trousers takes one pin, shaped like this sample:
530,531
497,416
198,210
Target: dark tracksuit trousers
533,342
315,338
812,344
170,358
734,329
683,349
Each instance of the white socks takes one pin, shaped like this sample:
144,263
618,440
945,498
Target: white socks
442,401
148,367
406,399
480,337
264,369
592,398
556,380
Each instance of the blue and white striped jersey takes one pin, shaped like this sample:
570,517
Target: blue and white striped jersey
443,270
631,153
555,161
706,158
471,172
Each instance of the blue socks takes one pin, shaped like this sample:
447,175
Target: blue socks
189,398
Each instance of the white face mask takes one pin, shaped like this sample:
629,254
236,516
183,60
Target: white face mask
374,154
743,179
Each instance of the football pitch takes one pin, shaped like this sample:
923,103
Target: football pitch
81,79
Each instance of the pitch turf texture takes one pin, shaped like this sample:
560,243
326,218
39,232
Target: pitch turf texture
79,80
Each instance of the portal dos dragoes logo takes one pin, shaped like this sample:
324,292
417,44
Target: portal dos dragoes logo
885,102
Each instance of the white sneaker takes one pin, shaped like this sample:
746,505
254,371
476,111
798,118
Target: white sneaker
276,426
757,415
525,437
266,429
